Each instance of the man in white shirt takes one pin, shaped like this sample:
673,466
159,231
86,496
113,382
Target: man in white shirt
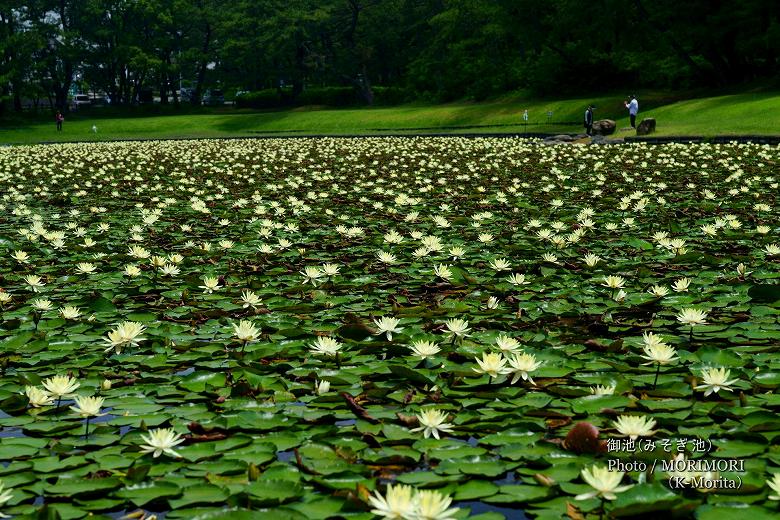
633,108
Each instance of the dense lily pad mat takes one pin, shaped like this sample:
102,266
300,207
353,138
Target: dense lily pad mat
289,328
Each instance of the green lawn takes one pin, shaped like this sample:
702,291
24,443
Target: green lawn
751,113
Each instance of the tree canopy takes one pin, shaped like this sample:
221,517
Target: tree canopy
432,49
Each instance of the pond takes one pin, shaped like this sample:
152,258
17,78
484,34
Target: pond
369,328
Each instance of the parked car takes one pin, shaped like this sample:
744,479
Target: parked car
240,94
214,97
186,94
80,100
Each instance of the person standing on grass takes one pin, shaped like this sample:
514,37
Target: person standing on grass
589,120
633,108
59,118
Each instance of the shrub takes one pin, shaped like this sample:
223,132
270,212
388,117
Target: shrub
326,96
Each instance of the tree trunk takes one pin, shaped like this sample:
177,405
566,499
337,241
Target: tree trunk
163,78
174,91
364,87
61,98
361,82
197,95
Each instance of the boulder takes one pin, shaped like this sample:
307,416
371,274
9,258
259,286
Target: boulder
604,127
561,138
647,126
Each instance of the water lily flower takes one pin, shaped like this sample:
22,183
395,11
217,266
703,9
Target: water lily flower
250,299
330,269
424,349
312,274
605,483
773,483
69,312
634,426
432,243
245,331
457,327
161,440
500,264
517,279
138,252
690,316
37,397
659,291
433,505
614,282
396,504
591,260
715,380
521,367
169,270
660,353
5,496
210,284
492,364
709,230
88,406
421,252
456,252
393,237
507,344
681,285
20,256
388,325
386,258
131,271
742,270
34,281
432,421
322,387
603,389
61,386
443,271
326,346
125,334
42,304
85,268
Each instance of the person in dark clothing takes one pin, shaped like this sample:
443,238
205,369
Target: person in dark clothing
59,118
589,120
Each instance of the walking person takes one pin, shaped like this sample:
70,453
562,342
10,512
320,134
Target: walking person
59,118
633,108
589,120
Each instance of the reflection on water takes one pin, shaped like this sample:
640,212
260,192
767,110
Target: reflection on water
509,478
11,432
481,507
284,456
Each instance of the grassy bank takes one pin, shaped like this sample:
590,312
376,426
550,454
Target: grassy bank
749,113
